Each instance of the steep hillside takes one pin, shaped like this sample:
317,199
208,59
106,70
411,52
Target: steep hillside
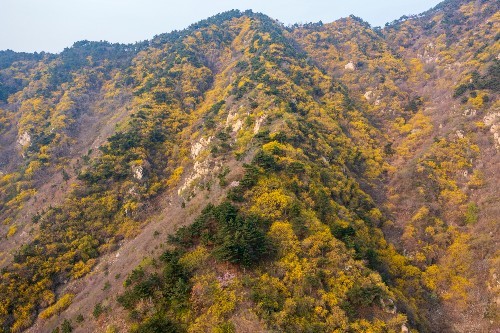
455,168
243,176
432,82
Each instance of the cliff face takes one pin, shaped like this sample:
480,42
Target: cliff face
243,176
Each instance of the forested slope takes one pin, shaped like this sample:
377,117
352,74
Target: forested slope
243,176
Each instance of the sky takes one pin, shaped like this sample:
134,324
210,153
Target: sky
52,25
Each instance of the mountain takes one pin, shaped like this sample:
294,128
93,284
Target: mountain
244,176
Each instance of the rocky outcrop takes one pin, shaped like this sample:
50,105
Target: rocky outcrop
258,123
350,66
199,146
492,121
237,125
368,95
470,113
138,171
24,140
200,169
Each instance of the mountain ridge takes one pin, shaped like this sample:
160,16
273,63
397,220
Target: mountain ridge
307,137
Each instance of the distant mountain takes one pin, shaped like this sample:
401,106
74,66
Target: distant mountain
244,176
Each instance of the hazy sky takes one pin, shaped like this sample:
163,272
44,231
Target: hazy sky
51,25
